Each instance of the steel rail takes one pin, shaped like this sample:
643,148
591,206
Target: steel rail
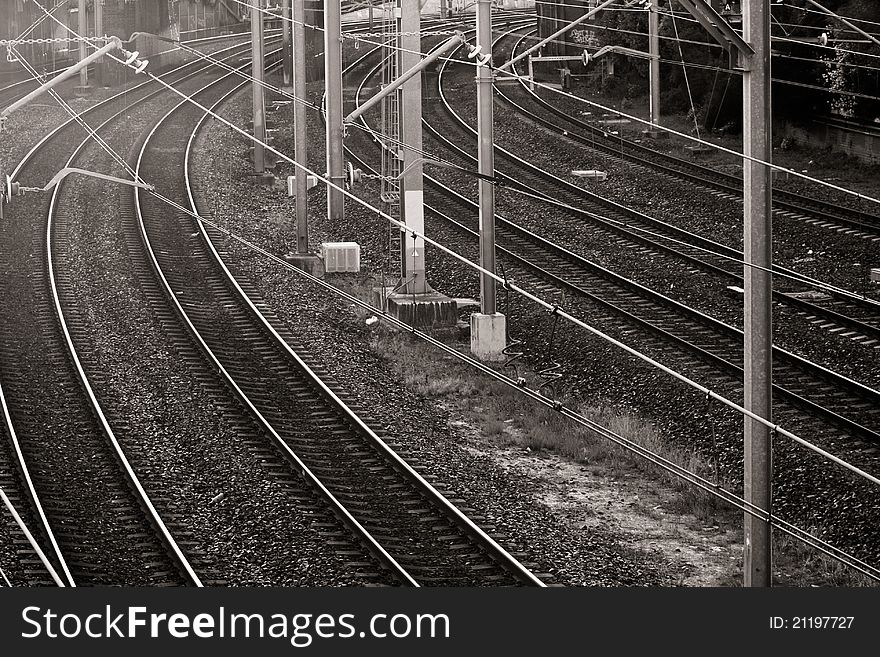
337,506
818,370
7,416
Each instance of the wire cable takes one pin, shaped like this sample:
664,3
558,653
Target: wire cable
521,291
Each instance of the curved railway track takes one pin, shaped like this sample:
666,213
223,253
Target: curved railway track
817,400
403,520
820,392
857,319
791,205
73,479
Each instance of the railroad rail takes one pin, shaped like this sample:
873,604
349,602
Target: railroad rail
858,318
82,468
790,205
683,336
699,333
403,520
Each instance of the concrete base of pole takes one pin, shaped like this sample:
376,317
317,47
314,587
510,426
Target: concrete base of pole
82,91
655,134
488,336
425,311
310,263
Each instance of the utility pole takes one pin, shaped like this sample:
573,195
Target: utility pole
259,94
757,318
299,123
286,52
99,32
333,89
84,33
488,327
486,164
411,185
654,61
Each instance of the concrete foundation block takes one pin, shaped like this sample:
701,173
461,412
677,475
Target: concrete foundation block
430,310
310,263
488,336
875,275
655,134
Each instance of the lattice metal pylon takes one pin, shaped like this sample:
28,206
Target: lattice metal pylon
391,155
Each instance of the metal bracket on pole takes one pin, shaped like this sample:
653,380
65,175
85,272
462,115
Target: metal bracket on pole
13,188
846,22
604,50
561,31
114,44
452,42
718,28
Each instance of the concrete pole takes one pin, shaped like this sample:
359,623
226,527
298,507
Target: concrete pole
757,318
654,61
486,165
99,32
259,94
83,32
411,186
287,59
299,119
333,89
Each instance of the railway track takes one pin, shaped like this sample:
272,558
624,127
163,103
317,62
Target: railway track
835,411
842,402
789,205
856,319
404,521
79,486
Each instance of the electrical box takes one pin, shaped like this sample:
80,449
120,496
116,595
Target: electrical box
341,256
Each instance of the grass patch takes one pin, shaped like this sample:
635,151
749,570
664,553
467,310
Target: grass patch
508,417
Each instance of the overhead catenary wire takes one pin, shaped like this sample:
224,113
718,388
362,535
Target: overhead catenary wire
539,301
795,276
724,149
524,293
521,291
528,294
804,280
653,457
812,282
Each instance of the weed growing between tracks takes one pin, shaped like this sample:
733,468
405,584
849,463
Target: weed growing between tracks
506,418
